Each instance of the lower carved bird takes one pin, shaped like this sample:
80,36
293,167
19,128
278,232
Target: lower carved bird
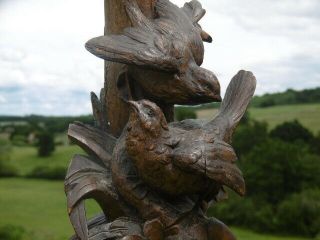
180,160
197,152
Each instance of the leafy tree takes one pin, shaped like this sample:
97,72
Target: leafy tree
183,113
275,169
315,144
248,135
300,213
267,102
45,144
291,132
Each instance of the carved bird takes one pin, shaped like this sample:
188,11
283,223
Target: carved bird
170,45
182,159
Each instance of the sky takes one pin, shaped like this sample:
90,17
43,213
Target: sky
45,69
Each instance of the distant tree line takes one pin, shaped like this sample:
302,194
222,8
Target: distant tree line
38,130
288,97
51,123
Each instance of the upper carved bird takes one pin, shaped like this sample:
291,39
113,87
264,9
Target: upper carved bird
170,45
189,157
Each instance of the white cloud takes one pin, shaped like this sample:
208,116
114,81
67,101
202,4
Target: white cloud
45,69
3,99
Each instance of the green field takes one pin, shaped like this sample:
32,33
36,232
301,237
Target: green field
40,207
25,158
307,114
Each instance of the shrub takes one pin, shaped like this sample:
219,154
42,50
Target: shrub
19,140
246,212
300,213
44,172
11,232
234,211
6,170
182,113
291,132
45,144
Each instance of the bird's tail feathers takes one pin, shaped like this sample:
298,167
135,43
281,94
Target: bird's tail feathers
237,97
233,106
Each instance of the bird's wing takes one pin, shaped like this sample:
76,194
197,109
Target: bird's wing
170,13
233,107
135,46
213,160
188,124
185,18
194,10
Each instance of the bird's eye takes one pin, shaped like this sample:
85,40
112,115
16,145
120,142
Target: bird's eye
150,112
208,86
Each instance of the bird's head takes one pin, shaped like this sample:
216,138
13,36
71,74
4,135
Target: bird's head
148,116
205,85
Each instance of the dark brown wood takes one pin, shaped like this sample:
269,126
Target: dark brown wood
177,161
115,21
153,178
94,141
171,46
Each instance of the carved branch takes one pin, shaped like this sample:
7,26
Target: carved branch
115,21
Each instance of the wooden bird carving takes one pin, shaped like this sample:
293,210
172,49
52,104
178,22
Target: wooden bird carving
189,160
180,161
164,53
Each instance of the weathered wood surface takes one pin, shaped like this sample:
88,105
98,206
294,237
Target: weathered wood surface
170,46
115,21
181,162
152,160
93,141
88,179
153,178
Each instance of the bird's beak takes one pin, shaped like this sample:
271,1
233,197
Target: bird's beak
236,183
230,176
206,37
134,105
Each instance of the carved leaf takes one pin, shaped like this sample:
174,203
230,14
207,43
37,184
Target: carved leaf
99,110
88,179
93,141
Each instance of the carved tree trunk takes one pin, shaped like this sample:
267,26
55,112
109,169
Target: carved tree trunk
115,21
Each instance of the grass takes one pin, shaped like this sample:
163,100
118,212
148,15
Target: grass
24,159
40,207
307,114
243,234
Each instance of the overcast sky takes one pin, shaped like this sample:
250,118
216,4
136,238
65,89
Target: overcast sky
45,69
